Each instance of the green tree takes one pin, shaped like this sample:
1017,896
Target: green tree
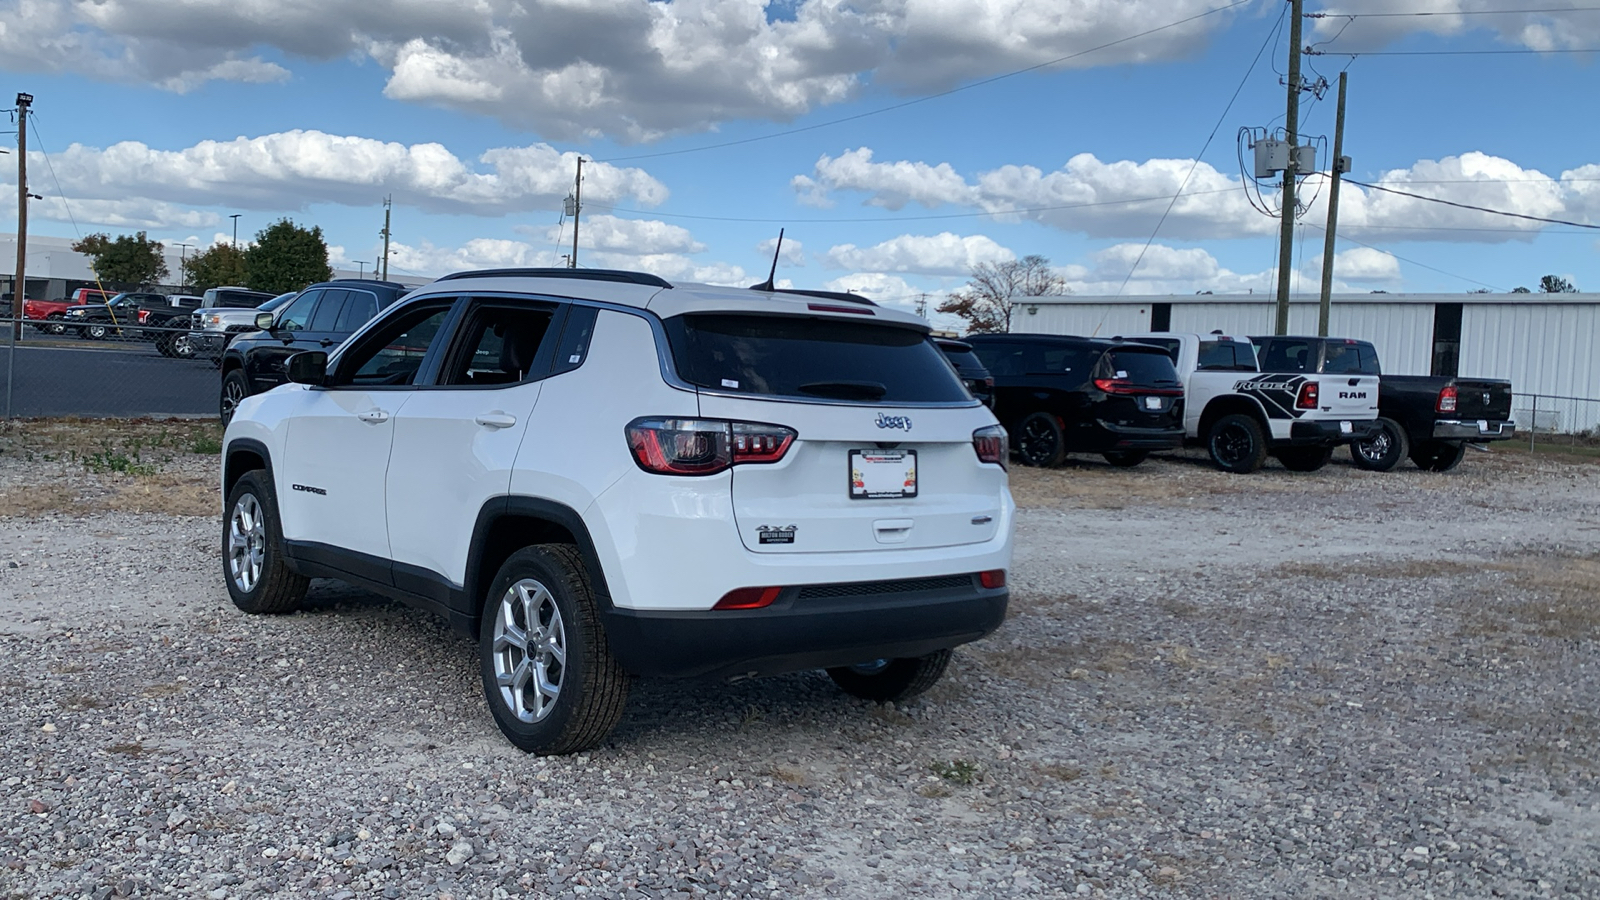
1520,290
1555,284
990,296
126,263
217,265
286,257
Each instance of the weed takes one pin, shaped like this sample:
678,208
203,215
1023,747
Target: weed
788,774
206,445
956,771
111,459
1062,772
934,790
134,749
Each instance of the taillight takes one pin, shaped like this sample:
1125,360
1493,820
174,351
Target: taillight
144,316
994,578
988,382
1115,386
1447,399
748,598
991,445
1308,396
704,446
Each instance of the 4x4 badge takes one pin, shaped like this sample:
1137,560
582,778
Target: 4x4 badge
776,534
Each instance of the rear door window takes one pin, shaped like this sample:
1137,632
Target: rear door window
328,311
813,359
358,308
1064,361
1288,355
1002,358
1149,368
1227,356
1350,358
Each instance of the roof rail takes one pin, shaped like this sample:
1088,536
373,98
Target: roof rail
826,295
620,276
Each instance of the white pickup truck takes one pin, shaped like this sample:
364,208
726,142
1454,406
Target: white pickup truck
1241,414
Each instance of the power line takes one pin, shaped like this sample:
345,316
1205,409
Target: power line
917,100
1311,52
1196,164
1463,12
51,166
1343,237
1482,209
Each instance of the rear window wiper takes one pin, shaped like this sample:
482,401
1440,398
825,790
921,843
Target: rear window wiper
846,390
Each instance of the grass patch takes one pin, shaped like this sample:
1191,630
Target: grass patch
118,460
168,495
61,438
37,500
956,771
1560,597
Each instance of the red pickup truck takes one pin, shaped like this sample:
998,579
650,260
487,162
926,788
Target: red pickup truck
46,315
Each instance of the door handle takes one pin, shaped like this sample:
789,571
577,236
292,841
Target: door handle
497,419
374,416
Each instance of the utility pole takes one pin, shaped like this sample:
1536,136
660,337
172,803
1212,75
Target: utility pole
19,286
576,205
1291,125
387,201
183,264
235,218
1336,167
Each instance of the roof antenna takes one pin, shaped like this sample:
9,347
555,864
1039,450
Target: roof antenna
768,284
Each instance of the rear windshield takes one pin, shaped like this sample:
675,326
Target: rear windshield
965,361
1150,368
238,298
1350,358
787,356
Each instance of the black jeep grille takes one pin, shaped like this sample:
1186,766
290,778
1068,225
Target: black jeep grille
871,588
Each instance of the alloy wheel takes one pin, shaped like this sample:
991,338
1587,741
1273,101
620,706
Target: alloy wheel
1232,444
530,650
247,543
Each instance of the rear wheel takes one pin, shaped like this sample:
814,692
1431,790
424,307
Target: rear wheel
1126,459
94,332
259,581
1237,444
1384,450
1039,440
1438,456
548,673
891,680
1304,459
52,325
235,387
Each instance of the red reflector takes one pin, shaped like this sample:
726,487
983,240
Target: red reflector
749,598
852,310
994,578
1308,396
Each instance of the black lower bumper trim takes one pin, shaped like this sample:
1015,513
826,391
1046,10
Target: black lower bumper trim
1330,432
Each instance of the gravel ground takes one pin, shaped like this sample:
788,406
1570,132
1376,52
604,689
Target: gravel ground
1331,685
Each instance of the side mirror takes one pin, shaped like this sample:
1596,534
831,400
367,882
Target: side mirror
264,321
309,367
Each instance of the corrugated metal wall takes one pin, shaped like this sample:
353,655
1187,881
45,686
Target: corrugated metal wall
1402,332
1544,348
1087,319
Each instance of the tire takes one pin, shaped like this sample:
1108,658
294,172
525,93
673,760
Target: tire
94,332
164,345
891,680
1438,456
52,325
258,578
235,387
180,346
1126,459
1237,444
548,585
1304,459
1039,440
1383,451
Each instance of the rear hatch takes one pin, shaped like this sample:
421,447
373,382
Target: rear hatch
1488,399
1141,388
883,457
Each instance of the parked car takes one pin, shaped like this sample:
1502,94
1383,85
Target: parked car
977,378
318,318
168,325
1242,411
212,328
1057,395
48,315
114,317
603,476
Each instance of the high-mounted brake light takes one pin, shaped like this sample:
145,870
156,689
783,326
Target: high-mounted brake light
852,310
1447,400
991,445
1308,396
704,446
748,598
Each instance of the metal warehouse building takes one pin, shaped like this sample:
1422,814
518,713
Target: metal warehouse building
1545,344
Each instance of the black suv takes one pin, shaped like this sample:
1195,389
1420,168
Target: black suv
979,382
320,318
1057,395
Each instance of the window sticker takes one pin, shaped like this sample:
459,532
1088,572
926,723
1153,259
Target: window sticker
730,383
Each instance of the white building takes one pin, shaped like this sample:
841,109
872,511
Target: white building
1544,343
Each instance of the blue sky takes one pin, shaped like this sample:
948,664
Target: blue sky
170,115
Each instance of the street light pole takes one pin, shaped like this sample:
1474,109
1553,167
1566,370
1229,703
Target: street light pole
235,218
361,268
183,264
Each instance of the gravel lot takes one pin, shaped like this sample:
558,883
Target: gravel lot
1341,684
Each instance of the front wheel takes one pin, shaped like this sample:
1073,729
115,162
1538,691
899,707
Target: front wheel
549,677
235,387
1384,450
891,680
1126,459
1438,456
1237,444
180,346
1304,459
95,332
259,580
1040,441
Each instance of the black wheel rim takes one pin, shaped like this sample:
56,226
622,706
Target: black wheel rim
1038,442
1231,445
1376,449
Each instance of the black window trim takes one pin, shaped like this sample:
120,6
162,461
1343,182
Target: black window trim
450,352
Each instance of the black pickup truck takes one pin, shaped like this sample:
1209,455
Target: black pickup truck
1429,418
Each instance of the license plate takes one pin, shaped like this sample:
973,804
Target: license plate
1483,426
883,474
1152,403
1346,428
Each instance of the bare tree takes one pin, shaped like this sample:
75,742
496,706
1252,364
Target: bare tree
990,296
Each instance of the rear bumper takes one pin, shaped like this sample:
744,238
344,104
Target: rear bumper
1330,432
811,627
1124,437
1475,430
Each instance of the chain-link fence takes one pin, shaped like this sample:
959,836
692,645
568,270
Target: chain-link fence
1554,422
101,369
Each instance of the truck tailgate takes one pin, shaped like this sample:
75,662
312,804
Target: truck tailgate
1482,398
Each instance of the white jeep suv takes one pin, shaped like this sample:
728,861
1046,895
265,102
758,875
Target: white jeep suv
603,475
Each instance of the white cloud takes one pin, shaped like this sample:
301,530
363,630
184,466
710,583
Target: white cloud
940,254
429,259
1546,30
639,237
130,183
1363,264
892,185
793,251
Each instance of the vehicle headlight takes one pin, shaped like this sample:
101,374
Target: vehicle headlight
75,312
